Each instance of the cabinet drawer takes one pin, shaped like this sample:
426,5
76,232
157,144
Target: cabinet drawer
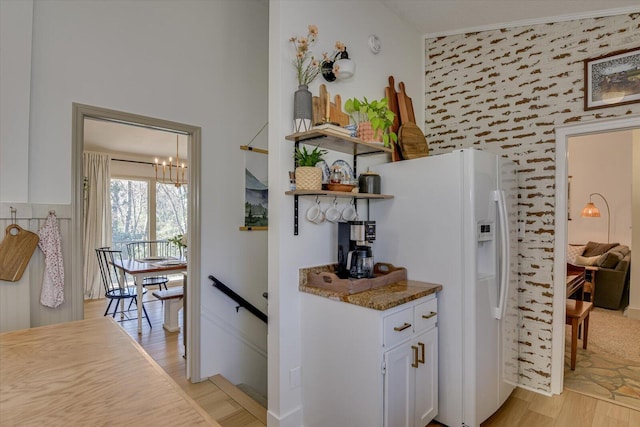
426,315
397,327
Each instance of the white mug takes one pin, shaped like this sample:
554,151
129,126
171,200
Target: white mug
349,213
315,214
333,214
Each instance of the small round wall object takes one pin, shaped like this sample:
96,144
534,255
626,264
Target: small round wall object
374,43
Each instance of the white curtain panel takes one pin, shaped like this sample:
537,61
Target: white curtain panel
97,218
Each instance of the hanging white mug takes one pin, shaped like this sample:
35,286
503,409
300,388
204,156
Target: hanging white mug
349,213
315,214
333,214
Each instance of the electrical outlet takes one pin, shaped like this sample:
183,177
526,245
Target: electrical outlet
295,377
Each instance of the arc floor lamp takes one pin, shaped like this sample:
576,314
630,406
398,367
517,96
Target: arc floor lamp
591,211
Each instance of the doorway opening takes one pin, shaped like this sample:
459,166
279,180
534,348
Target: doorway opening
82,113
600,170
563,135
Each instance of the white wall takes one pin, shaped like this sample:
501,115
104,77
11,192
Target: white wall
601,163
634,293
401,56
194,62
15,71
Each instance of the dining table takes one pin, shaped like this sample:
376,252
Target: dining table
148,267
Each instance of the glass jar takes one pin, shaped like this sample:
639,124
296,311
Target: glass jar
336,176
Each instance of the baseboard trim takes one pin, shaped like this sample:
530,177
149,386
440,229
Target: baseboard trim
632,313
253,407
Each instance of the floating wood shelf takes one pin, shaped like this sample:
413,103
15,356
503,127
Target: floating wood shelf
346,194
335,141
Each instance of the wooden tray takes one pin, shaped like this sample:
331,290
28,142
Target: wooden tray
340,187
384,275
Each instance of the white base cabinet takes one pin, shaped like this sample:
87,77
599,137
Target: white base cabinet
411,381
364,367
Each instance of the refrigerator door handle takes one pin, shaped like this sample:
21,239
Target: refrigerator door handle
505,255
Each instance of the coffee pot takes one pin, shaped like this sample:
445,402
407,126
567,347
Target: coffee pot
355,257
360,261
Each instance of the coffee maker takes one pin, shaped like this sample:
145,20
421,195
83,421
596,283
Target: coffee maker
355,257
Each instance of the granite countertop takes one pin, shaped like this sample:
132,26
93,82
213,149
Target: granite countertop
381,298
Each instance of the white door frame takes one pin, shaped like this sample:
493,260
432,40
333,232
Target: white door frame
563,134
79,113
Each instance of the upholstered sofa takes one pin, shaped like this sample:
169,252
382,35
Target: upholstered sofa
612,276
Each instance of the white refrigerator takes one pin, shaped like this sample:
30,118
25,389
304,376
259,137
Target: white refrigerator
452,221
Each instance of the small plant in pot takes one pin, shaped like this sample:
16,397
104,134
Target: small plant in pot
308,176
376,113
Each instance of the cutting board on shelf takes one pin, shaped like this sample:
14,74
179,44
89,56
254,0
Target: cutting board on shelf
397,153
15,252
337,115
322,103
411,140
392,97
405,105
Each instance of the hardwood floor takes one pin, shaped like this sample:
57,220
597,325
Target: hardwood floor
166,348
526,408
523,408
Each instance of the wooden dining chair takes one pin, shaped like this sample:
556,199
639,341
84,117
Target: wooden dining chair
150,249
116,287
577,314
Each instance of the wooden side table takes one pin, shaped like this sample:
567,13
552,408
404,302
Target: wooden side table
590,281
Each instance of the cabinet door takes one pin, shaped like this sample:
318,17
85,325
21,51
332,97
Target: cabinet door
399,384
426,378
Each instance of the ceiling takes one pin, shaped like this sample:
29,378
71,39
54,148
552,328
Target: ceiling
447,16
132,142
426,16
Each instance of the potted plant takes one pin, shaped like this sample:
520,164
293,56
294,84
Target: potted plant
308,176
373,118
180,241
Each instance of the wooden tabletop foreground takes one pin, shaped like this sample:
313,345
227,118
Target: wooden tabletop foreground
88,372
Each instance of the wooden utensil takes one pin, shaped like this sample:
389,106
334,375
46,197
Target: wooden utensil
412,141
15,252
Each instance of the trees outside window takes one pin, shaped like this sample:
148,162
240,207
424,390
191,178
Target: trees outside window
171,210
135,217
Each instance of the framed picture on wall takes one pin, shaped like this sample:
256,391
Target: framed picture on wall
612,80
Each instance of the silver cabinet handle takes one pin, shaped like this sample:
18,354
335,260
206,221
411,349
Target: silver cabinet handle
430,315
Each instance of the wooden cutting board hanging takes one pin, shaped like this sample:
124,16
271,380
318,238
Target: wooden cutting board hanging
15,252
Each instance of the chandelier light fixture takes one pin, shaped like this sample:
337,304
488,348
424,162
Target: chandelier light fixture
172,172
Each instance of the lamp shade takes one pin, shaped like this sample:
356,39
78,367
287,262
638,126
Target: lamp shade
346,68
590,210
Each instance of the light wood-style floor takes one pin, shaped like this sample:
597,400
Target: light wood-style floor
526,408
166,348
523,408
